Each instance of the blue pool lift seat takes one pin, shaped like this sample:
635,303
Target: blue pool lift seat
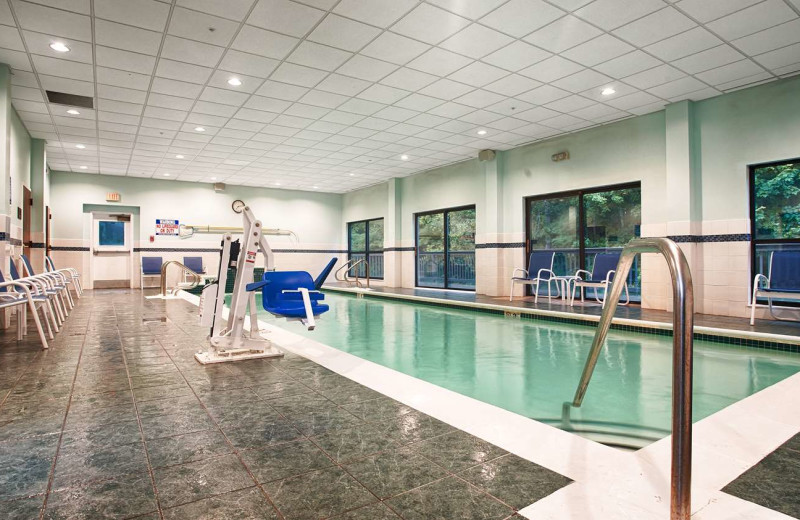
605,265
293,294
782,282
540,269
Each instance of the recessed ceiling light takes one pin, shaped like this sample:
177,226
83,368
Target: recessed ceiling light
59,47
199,129
80,146
166,175
235,82
608,91
315,187
179,157
213,178
403,157
277,184
73,112
84,167
352,175
481,132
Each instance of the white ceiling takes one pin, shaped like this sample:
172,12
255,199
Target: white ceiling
335,92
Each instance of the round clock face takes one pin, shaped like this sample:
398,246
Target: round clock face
238,206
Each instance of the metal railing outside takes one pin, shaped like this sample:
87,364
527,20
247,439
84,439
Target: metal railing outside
460,269
375,261
682,350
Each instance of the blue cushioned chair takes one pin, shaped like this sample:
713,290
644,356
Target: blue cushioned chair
151,266
195,263
605,265
783,281
540,269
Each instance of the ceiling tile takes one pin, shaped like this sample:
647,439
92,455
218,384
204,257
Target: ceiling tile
581,81
54,22
610,14
40,44
655,76
63,68
551,69
285,17
510,107
183,71
318,56
471,10
382,13
708,59
451,110
512,85
343,85
439,62
233,9
298,75
598,50
628,64
343,33
266,104
706,10
176,88
125,37
783,57
201,27
677,87
760,42
361,106
478,74
366,68
516,56
479,98
419,102
189,51
323,99
408,79
394,48
148,14
383,94
542,95
753,19
521,17
730,72
263,43
654,27
119,59
245,63
224,96
564,33
476,41
446,89
429,24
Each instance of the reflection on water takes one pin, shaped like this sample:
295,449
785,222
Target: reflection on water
532,368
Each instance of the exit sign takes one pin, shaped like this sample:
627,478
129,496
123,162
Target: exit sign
113,197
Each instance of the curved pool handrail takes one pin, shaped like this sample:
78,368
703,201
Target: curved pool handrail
682,348
196,278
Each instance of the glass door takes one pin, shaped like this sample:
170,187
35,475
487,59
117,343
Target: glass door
554,225
446,249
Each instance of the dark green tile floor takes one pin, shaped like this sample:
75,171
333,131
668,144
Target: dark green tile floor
774,482
117,420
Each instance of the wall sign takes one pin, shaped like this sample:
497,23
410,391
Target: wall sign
167,227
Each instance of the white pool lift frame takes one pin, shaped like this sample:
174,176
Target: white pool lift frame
231,343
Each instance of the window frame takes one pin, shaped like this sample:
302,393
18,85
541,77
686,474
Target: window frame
526,204
751,188
367,251
446,251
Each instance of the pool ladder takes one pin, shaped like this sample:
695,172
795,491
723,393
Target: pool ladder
342,274
682,340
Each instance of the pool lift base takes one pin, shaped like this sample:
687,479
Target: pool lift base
250,348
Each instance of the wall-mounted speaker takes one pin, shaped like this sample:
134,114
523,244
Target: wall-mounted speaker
219,186
486,155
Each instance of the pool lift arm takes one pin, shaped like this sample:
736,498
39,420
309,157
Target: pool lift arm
230,343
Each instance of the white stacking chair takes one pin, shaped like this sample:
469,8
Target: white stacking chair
19,296
73,277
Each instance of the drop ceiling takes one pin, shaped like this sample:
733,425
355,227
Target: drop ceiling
336,95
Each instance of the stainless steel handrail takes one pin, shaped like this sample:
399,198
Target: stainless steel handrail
682,348
190,285
349,265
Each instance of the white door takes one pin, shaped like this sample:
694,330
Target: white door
112,250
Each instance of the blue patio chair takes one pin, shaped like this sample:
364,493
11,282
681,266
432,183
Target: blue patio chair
151,266
195,263
605,265
783,282
540,269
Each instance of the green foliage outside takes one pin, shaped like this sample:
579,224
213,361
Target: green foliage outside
460,235
358,237
612,217
777,201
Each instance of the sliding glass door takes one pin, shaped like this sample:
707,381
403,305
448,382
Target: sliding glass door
365,242
446,248
578,225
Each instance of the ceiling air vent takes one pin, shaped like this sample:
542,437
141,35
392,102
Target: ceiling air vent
61,98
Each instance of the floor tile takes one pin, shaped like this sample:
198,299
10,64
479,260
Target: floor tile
375,410
23,508
448,499
371,512
156,426
772,483
118,498
349,444
242,413
285,460
76,466
458,450
318,494
25,466
196,480
101,437
162,392
189,447
263,433
247,504
395,471
185,403
413,427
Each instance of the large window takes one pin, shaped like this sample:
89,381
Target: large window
774,211
446,248
578,225
365,241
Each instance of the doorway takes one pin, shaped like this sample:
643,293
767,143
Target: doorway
112,250
446,248
27,203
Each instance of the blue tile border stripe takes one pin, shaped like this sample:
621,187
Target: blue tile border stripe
740,237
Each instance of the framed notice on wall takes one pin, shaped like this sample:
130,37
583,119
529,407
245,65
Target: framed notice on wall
167,227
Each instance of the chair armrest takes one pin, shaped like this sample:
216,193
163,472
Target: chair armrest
18,284
758,279
256,285
514,274
609,275
539,274
584,271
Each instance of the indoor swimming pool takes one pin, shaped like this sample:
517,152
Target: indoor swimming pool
532,367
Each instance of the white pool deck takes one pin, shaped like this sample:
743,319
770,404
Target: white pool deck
610,484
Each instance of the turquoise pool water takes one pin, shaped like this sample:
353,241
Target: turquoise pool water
532,367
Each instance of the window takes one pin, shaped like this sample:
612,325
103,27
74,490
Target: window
578,225
774,211
446,248
365,241
110,233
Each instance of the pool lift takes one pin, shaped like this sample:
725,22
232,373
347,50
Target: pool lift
287,294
